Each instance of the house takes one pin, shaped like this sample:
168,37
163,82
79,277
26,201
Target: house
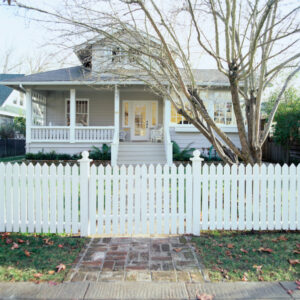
70,110
12,102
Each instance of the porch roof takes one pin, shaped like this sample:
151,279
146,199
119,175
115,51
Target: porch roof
80,75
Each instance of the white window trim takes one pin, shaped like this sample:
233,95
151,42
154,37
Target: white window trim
88,110
130,112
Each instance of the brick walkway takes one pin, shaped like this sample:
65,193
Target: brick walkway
138,259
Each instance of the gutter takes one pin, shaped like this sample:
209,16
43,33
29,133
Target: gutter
22,88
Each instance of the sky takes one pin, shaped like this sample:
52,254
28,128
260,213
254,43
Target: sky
27,39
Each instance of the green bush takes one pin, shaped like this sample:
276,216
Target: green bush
182,155
50,156
100,154
20,125
7,131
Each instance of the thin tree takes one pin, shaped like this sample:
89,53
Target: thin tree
252,42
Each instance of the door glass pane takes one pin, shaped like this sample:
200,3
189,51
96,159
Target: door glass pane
140,120
154,111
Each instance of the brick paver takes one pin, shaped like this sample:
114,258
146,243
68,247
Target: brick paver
169,259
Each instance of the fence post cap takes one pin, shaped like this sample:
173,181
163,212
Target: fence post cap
196,157
85,157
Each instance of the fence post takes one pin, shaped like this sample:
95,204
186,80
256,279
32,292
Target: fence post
84,164
196,199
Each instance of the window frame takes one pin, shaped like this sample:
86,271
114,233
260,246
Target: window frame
88,111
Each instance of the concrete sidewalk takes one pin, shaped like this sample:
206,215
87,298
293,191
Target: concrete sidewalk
150,290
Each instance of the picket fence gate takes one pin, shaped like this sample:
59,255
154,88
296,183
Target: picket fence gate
148,200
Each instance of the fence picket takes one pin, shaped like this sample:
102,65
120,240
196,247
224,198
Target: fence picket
100,199
241,199
115,199
278,197
122,198
23,197
137,198
270,197
173,199
130,200
158,199
8,203
233,197
68,199
219,197
16,197
205,197
263,195
293,196
151,199
92,199
166,199
256,197
189,199
249,212
212,197
108,199
298,197
2,197
285,197
45,197
60,198
38,199
144,199
52,198
226,197
181,198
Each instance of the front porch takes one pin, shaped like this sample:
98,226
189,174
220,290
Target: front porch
74,120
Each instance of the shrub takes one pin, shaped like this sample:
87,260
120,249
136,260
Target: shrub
7,131
182,155
101,154
20,125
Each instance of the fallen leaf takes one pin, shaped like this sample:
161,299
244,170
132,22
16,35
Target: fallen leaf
48,242
52,283
297,282
37,275
296,251
230,246
290,292
204,296
260,278
220,245
60,267
60,246
14,246
27,253
293,261
282,238
20,241
51,272
243,250
177,249
244,278
258,268
267,250
228,253
8,241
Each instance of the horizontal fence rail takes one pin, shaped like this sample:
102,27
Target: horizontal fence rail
148,199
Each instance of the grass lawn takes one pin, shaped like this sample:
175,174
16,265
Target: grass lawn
12,158
35,257
247,256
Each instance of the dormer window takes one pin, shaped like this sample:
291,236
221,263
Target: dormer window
116,55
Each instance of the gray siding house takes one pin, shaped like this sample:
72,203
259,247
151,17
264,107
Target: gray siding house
70,110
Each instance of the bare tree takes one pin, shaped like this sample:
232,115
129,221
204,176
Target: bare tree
251,43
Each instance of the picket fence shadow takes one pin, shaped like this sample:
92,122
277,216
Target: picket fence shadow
148,199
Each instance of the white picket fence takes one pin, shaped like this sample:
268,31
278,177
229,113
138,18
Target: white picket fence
148,199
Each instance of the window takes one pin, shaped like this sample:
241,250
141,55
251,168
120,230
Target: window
117,55
176,118
38,109
223,113
154,113
82,116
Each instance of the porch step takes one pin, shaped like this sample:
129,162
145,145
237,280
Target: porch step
141,153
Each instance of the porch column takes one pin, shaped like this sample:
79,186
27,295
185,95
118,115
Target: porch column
167,114
117,110
28,118
72,115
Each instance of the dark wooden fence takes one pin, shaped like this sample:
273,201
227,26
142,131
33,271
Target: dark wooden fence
12,147
273,152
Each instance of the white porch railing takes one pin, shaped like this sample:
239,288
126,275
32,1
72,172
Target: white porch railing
94,134
50,133
62,134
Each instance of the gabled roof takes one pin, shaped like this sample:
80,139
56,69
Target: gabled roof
4,90
81,75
